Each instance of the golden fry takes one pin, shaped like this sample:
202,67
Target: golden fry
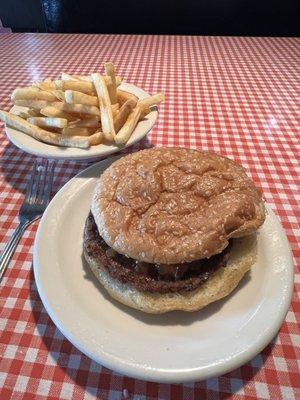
75,131
39,133
36,104
96,138
78,109
85,123
123,96
125,132
48,122
32,93
112,87
73,97
121,117
107,121
50,111
151,101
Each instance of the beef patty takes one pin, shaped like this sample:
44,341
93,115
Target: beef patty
159,278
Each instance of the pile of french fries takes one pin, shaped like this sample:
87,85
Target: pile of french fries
79,111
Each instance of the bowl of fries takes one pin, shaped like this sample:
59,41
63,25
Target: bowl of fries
80,117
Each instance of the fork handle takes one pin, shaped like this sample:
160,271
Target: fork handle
10,247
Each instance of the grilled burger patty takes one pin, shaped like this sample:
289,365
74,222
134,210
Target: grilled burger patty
159,278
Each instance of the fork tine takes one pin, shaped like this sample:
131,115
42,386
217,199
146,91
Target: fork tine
36,185
43,180
31,181
49,183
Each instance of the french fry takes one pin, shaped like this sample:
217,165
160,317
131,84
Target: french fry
123,96
107,121
74,141
78,109
36,104
45,85
125,132
151,101
41,134
75,131
46,122
96,138
115,109
59,94
78,86
33,113
68,77
112,88
73,97
26,113
144,112
82,78
51,111
32,93
121,117
85,123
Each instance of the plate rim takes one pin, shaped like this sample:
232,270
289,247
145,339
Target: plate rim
51,151
160,375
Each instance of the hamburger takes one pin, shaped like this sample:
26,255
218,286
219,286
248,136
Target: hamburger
172,229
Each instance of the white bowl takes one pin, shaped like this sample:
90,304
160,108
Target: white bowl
40,149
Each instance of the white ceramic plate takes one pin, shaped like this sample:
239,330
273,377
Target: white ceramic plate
173,347
40,149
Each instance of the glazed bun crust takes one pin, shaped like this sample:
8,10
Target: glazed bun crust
174,205
221,284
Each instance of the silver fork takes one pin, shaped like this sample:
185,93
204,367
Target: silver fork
36,200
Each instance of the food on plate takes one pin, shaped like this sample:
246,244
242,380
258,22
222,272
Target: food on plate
41,134
76,106
172,229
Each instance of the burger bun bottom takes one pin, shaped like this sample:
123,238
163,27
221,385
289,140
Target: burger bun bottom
220,285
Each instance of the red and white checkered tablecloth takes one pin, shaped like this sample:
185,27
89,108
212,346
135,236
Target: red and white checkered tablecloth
236,96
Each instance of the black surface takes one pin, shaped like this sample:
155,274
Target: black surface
22,15
201,17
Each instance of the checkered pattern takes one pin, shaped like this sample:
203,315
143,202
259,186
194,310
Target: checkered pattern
236,96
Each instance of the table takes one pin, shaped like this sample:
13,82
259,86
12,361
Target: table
236,96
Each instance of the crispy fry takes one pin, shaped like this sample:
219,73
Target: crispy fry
107,121
78,86
75,131
74,141
121,117
59,94
50,111
39,133
123,96
33,113
85,123
144,112
78,108
68,77
36,104
115,109
45,85
26,112
85,78
151,101
96,138
73,97
125,132
112,88
45,122
32,93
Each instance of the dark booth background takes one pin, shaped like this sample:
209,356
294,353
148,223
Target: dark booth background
199,17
